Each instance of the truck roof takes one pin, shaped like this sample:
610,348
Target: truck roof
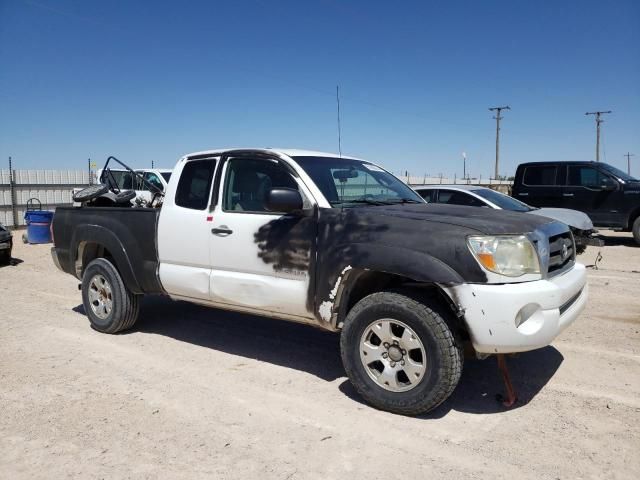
460,186
558,162
290,152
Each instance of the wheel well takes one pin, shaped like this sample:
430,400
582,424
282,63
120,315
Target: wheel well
89,251
632,218
366,282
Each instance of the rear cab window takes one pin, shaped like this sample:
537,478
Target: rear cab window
194,185
541,176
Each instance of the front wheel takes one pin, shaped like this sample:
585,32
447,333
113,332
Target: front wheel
109,304
399,352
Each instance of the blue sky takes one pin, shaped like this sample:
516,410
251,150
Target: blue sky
155,80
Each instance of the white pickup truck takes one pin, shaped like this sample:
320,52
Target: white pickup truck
338,243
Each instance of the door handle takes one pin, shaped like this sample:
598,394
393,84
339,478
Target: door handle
222,231
567,194
523,194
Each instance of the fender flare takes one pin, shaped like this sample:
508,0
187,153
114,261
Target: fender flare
107,239
349,261
635,213
418,266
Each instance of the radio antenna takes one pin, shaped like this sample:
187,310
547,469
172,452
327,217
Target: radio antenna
339,132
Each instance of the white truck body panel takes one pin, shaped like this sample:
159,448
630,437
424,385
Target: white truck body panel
226,269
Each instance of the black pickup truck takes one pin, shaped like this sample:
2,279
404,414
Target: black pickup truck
608,195
338,243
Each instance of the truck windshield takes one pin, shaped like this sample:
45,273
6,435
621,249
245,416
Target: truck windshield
351,182
503,201
618,173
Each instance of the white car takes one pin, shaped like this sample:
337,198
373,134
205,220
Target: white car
476,196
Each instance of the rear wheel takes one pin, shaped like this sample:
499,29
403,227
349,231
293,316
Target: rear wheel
109,304
399,352
636,230
5,256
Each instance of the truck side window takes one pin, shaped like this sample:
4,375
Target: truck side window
153,179
428,195
195,184
248,181
542,175
584,176
453,197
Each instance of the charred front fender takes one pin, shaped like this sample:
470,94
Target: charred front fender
338,274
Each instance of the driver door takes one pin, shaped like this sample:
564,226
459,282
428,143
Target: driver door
261,259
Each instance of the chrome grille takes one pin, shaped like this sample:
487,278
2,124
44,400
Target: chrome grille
561,253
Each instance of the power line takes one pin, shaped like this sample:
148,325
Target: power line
598,122
629,155
498,118
339,132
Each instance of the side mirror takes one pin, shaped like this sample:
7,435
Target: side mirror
283,200
608,184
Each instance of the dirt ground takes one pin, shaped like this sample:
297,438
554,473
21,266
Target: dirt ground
193,392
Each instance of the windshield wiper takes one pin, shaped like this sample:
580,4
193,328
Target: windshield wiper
404,200
366,201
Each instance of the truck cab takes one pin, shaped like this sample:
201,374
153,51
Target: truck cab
609,196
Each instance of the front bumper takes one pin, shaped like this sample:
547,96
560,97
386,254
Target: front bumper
525,316
5,245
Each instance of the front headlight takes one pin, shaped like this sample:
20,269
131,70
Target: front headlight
509,255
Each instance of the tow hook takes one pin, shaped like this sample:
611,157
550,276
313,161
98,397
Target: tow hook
511,397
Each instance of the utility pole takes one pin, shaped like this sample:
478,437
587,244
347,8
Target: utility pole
498,118
12,193
598,122
629,155
339,129
464,165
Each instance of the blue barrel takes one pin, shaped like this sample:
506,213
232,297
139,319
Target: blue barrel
38,225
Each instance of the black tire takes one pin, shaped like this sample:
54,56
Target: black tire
427,318
125,305
636,230
5,256
91,192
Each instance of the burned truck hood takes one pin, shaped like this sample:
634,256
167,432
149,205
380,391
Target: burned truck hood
420,241
481,220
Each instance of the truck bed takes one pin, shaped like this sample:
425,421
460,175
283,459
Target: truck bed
129,235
